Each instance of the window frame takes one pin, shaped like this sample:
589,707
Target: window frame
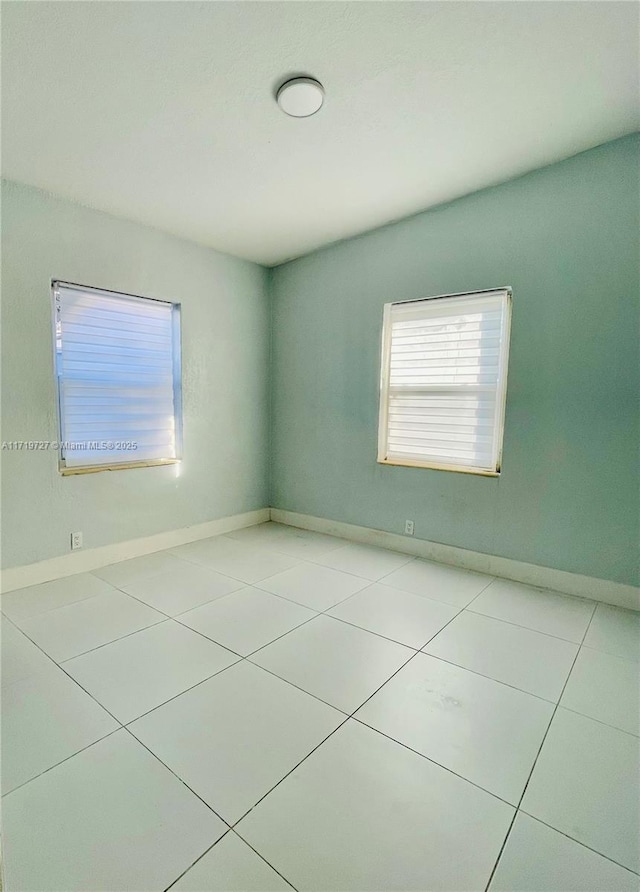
176,362
501,391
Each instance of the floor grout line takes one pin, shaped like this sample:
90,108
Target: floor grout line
412,657
167,552
346,719
316,563
297,687
433,761
62,761
74,680
292,601
175,618
492,579
556,708
246,585
77,683
291,770
204,566
325,612
231,831
310,619
288,882
355,625
50,609
180,693
240,658
634,660
122,727
487,677
199,858
542,742
598,721
299,560
509,622
177,776
582,844
91,650
171,615
501,850
98,646
341,725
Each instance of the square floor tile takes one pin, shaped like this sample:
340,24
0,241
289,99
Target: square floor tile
235,736
20,657
231,866
25,602
137,673
585,785
364,560
181,588
45,719
313,586
263,535
437,581
142,567
337,662
615,631
231,558
543,611
481,729
80,627
605,688
403,617
247,619
530,661
305,544
110,818
539,859
362,813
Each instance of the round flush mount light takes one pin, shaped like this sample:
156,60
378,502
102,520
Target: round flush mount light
301,97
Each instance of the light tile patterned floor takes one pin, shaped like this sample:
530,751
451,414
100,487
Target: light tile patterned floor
277,709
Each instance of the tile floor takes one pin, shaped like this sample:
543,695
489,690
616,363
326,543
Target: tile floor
277,709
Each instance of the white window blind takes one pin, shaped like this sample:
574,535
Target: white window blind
118,372
443,381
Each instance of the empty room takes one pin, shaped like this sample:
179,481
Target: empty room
320,464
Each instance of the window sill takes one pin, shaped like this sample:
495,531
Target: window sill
408,463
124,466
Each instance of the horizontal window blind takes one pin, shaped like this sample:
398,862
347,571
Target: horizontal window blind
443,381
118,368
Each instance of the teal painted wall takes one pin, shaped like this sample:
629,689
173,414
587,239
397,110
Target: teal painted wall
566,239
225,358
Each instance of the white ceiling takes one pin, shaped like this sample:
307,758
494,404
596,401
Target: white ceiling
164,112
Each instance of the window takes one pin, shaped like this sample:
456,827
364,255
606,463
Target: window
443,382
118,373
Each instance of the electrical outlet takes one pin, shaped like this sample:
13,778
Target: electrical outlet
408,528
76,541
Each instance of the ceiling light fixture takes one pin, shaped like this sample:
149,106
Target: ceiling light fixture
301,97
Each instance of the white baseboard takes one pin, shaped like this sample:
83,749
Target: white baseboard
83,561
615,593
